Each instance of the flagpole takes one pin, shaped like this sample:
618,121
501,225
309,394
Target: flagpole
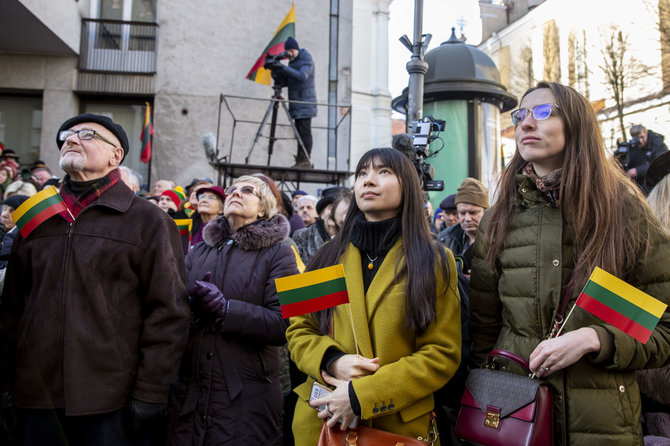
351,318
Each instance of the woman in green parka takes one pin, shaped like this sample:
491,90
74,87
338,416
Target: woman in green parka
563,208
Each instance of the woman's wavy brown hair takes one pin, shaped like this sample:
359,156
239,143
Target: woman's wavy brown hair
595,196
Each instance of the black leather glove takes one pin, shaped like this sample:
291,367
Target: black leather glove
143,416
209,297
8,422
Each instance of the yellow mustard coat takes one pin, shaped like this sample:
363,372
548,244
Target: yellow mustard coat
399,396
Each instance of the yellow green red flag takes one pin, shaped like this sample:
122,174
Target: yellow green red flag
620,304
312,291
286,29
37,209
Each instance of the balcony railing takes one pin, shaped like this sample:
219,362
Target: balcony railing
115,46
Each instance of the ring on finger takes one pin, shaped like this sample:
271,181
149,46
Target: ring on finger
330,414
546,368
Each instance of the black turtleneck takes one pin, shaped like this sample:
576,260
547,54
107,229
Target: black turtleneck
374,239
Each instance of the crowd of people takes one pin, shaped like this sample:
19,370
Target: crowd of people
119,327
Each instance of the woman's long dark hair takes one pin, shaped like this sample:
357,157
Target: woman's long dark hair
422,252
595,196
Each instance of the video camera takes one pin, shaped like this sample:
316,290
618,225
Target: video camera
422,135
622,152
272,61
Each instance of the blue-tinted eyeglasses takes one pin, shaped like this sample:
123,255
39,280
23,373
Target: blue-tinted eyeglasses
540,112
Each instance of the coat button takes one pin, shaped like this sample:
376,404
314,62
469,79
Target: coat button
523,190
391,406
622,389
375,409
556,262
209,355
383,408
559,399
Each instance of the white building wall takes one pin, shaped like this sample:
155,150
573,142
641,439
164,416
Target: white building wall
370,96
637,19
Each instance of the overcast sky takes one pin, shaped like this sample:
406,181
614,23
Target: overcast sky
439,16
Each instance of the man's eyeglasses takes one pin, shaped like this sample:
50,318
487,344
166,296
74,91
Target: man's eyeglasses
246,190
540,112
83,134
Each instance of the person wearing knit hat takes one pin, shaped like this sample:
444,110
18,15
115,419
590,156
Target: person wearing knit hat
298,76
471,200
171,199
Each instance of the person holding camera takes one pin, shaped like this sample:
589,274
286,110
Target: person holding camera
645,146
298,76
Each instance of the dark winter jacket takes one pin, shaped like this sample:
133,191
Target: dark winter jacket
299,77
596,400
228,389
641,157
454,238
94,311
310,239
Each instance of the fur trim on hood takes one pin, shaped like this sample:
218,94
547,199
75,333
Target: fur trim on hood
258,235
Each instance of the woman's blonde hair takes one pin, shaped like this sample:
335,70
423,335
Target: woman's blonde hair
268,203
20,188
658,200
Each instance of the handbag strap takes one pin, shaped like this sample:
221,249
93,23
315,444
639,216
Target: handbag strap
562,307
508,355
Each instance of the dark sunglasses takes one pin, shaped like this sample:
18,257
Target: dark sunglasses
540,112
246,190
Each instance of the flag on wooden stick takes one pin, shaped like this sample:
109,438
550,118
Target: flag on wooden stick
312,291
286,29
37,209
620,304
185,225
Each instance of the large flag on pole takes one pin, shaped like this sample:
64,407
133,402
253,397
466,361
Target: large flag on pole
622,305
276,46
312,291
37,209
147,133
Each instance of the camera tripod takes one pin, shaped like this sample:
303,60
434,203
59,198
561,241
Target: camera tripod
272,107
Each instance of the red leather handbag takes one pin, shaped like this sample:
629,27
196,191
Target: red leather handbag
505,409
368,436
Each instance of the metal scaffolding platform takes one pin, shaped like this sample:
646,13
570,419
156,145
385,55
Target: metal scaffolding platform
283,176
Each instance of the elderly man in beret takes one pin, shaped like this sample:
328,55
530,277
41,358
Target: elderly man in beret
95,316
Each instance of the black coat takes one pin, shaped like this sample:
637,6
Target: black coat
641,157
299,77
229,390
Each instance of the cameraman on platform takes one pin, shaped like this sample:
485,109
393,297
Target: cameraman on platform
646,146
298,76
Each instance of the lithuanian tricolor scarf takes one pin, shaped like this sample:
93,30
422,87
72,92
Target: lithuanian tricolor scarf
37,209
312,291
286,29
622,305
185,225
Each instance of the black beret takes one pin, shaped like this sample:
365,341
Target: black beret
449,203
104,121
15,201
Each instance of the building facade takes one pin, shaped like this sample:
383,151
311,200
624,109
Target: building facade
59,58
573,42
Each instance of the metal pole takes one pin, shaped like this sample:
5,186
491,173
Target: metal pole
416,68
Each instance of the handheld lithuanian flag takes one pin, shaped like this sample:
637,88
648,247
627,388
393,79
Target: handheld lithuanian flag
622,305
286,29
37,209
147,134
312,291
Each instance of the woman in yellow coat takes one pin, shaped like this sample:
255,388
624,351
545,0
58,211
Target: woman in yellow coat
405,306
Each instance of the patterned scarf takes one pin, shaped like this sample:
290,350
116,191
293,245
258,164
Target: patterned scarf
549,184
78,195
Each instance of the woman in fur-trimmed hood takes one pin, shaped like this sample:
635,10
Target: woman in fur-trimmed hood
228,390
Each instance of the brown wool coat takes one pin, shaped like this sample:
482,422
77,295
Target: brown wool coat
94,312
